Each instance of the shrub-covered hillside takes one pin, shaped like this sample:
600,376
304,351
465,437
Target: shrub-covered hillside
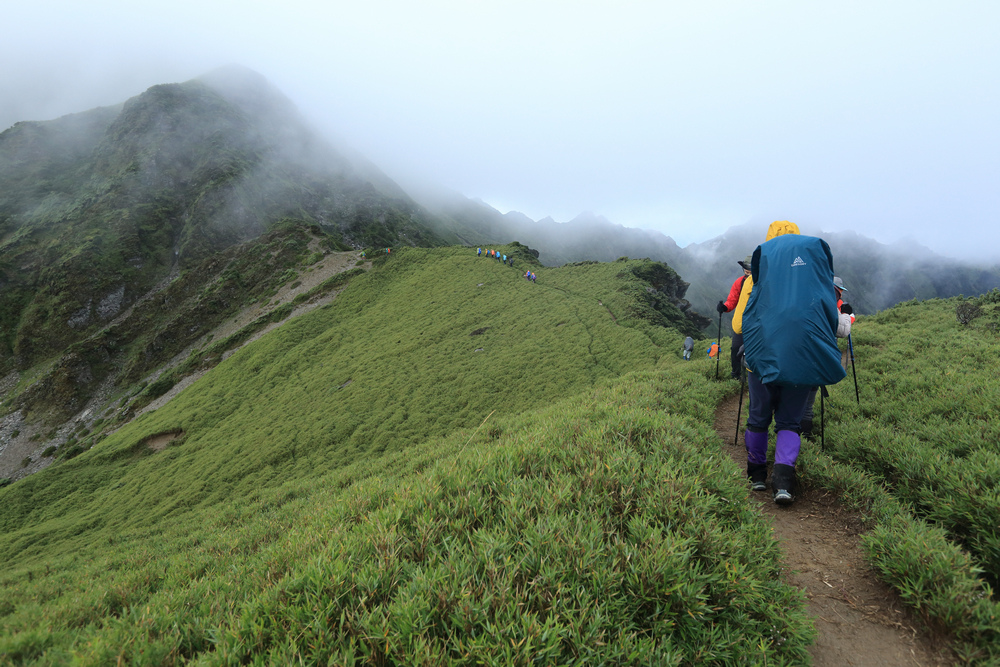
918,454
450,464
444,380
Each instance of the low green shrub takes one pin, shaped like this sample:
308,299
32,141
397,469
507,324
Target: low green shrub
161,385
49,451
603,529
66,453
926,423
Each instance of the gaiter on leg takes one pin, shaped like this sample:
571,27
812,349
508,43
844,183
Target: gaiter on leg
786,450
756,444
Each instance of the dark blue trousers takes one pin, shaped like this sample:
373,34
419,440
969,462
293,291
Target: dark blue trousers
782,404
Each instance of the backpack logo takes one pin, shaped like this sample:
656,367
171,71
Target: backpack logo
798,262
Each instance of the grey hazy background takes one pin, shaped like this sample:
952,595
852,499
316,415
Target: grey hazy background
687,118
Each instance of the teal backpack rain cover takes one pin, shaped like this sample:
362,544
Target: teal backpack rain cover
790,321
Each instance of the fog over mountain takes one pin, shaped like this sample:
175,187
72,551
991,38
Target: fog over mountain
215,160
686,118
878,275
99,208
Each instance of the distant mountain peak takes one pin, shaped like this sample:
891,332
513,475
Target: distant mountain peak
238,79
591,218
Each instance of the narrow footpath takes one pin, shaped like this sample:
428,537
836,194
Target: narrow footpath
860,621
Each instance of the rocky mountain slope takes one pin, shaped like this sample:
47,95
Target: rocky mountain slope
127,233
98,208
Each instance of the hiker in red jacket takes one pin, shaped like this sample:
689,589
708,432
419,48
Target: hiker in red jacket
726,306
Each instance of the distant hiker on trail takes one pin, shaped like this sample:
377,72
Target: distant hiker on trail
532,276
505,259
688,348
713,350
789,325
736,353
479,252
512,262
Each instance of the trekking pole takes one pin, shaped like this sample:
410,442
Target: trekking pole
850,346
739,410
718,355
822,418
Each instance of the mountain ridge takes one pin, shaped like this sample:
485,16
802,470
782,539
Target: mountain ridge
882,275
128,233
445,463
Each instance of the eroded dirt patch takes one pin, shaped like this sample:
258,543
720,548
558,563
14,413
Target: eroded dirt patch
860,620
159,441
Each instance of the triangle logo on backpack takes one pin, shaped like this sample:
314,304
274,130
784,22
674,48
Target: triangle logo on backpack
798,262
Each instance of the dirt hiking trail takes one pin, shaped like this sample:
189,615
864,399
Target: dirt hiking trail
859,620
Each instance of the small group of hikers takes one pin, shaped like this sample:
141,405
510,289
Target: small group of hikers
503,259
788,311
712,351
495,254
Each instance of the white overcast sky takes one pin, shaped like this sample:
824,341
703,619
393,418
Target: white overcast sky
687,117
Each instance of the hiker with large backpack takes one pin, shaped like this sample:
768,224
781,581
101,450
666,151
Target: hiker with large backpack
736,354
790,325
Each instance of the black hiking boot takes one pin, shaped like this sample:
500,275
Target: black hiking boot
783,483
757,473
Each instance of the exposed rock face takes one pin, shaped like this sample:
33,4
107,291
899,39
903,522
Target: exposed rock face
111,304
666,296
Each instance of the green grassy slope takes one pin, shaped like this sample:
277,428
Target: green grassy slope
919,455
927,422
337,492
450,464
392,362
